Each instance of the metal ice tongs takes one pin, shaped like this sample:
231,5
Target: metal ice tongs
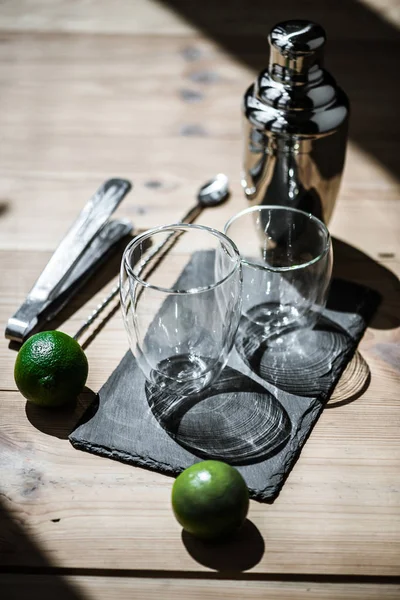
84,247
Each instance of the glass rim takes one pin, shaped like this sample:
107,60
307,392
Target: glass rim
188,227
310,216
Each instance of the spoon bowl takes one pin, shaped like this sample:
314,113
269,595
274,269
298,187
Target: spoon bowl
214,192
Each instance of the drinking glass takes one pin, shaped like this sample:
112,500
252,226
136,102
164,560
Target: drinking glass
286,263
181,304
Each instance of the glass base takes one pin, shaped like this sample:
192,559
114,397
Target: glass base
273,317
184,374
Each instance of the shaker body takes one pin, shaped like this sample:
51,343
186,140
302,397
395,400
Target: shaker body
296,171
295,128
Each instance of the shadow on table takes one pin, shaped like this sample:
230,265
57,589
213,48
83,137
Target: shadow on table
22,560
240,553
4,207
351,264
60,422
361,53
17,551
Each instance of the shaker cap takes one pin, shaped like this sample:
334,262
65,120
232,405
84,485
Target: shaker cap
296,46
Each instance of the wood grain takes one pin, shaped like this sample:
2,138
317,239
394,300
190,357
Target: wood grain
151,91
337,513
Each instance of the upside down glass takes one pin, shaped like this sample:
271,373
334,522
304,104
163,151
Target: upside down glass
286,263
181,304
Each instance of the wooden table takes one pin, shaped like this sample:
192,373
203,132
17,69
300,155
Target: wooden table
151,91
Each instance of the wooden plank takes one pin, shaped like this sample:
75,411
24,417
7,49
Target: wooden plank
339,511
177,17
160,104
70,587
167,148
20,269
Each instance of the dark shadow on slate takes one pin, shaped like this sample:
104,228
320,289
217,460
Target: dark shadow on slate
235,420
241,552
303,361
139,428
60,422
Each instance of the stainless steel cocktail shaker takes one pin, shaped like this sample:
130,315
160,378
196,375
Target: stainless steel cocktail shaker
295,125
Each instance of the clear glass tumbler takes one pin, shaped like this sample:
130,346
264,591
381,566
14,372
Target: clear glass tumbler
181,304
286,263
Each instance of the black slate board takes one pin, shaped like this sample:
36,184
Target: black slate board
257,416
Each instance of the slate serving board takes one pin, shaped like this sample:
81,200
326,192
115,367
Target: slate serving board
257,416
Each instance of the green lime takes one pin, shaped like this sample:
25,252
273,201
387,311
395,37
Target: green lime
210,499
51,369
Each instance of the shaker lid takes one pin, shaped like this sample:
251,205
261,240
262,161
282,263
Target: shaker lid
295,47
296,95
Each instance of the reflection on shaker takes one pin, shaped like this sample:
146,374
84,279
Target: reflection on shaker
295,125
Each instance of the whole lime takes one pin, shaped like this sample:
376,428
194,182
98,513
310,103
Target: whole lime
51,369
210,499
